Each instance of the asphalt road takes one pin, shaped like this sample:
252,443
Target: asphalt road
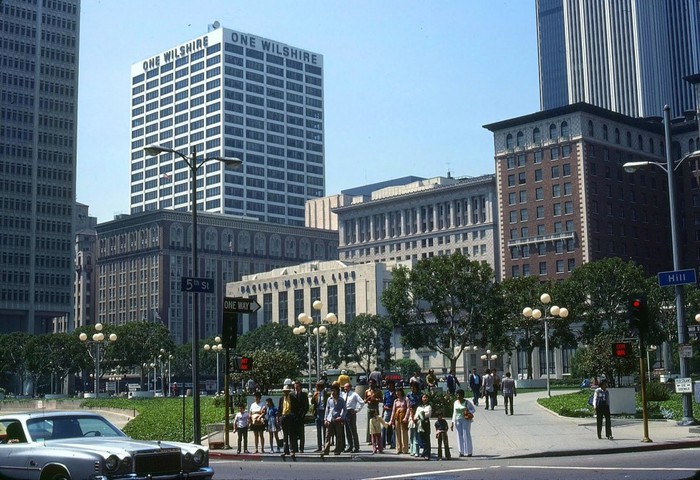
649,465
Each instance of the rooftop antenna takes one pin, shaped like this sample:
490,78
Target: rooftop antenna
214,26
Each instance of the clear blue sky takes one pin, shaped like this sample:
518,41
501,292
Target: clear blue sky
408,83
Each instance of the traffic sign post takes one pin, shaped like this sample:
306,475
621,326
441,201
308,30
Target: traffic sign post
677,277
232,307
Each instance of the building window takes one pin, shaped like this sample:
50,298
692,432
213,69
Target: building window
267,308
298,304
536,136
539,193
283,310
349,302
543,268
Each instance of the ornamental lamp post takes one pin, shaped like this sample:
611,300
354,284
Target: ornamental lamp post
550,313
194,164
98,339
217,347
319,328
488,357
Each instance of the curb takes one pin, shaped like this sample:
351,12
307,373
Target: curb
393,457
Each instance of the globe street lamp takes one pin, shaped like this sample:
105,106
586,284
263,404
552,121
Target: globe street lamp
670,168
488,357
319,328
550,313
98,339
218,348
194,164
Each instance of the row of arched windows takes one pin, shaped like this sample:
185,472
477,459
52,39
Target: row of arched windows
555,132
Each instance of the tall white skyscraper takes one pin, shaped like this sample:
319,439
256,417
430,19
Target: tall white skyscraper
38,127
237,95
629,56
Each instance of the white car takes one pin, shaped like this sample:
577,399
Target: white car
53,445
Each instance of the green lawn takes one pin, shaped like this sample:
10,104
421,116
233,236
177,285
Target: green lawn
576,405
161,418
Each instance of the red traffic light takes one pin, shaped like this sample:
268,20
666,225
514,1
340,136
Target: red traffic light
636,303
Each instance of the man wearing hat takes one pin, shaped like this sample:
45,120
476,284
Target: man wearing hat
318,402
286,411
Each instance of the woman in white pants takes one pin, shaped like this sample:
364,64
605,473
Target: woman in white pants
462,417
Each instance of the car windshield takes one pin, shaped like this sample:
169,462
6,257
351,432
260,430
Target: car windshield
52,428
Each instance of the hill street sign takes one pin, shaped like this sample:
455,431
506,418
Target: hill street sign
677,277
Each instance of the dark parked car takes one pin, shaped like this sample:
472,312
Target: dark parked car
80,445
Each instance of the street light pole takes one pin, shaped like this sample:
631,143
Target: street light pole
682,327
98,339
319,329
194,165
550,313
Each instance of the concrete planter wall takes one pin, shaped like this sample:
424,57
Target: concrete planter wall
532,383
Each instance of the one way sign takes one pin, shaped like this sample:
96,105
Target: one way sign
240,305
232,307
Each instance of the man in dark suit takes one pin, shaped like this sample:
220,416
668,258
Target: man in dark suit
475,383
301,410
287,413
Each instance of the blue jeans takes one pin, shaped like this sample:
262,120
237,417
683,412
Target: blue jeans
388,432
320,432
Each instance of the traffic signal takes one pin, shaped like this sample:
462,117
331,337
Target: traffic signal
246,364
638,314
622,349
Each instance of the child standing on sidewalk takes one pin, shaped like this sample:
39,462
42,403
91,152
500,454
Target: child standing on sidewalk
240,425
375,431
442,437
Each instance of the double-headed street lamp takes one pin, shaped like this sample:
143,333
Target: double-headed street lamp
217,347
669,168
550,313
194,164
98,339
319,329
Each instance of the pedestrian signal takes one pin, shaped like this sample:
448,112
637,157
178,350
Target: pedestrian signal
622,349
245,364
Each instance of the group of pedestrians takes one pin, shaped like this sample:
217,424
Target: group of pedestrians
396,419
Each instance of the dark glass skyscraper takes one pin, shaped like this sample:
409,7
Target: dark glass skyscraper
38,116
629,56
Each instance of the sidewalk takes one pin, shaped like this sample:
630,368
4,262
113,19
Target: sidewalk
532,432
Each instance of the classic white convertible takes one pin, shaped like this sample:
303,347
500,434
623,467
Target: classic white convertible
55,445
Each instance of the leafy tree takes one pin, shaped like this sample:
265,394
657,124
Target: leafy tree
446,303
526,333
597,295
139,343
407,366
597,360
13,358
270,367
366,340
54,355
272,336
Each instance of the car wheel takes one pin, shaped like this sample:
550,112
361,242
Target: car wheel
61,476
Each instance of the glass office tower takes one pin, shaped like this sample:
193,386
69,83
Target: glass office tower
629,56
